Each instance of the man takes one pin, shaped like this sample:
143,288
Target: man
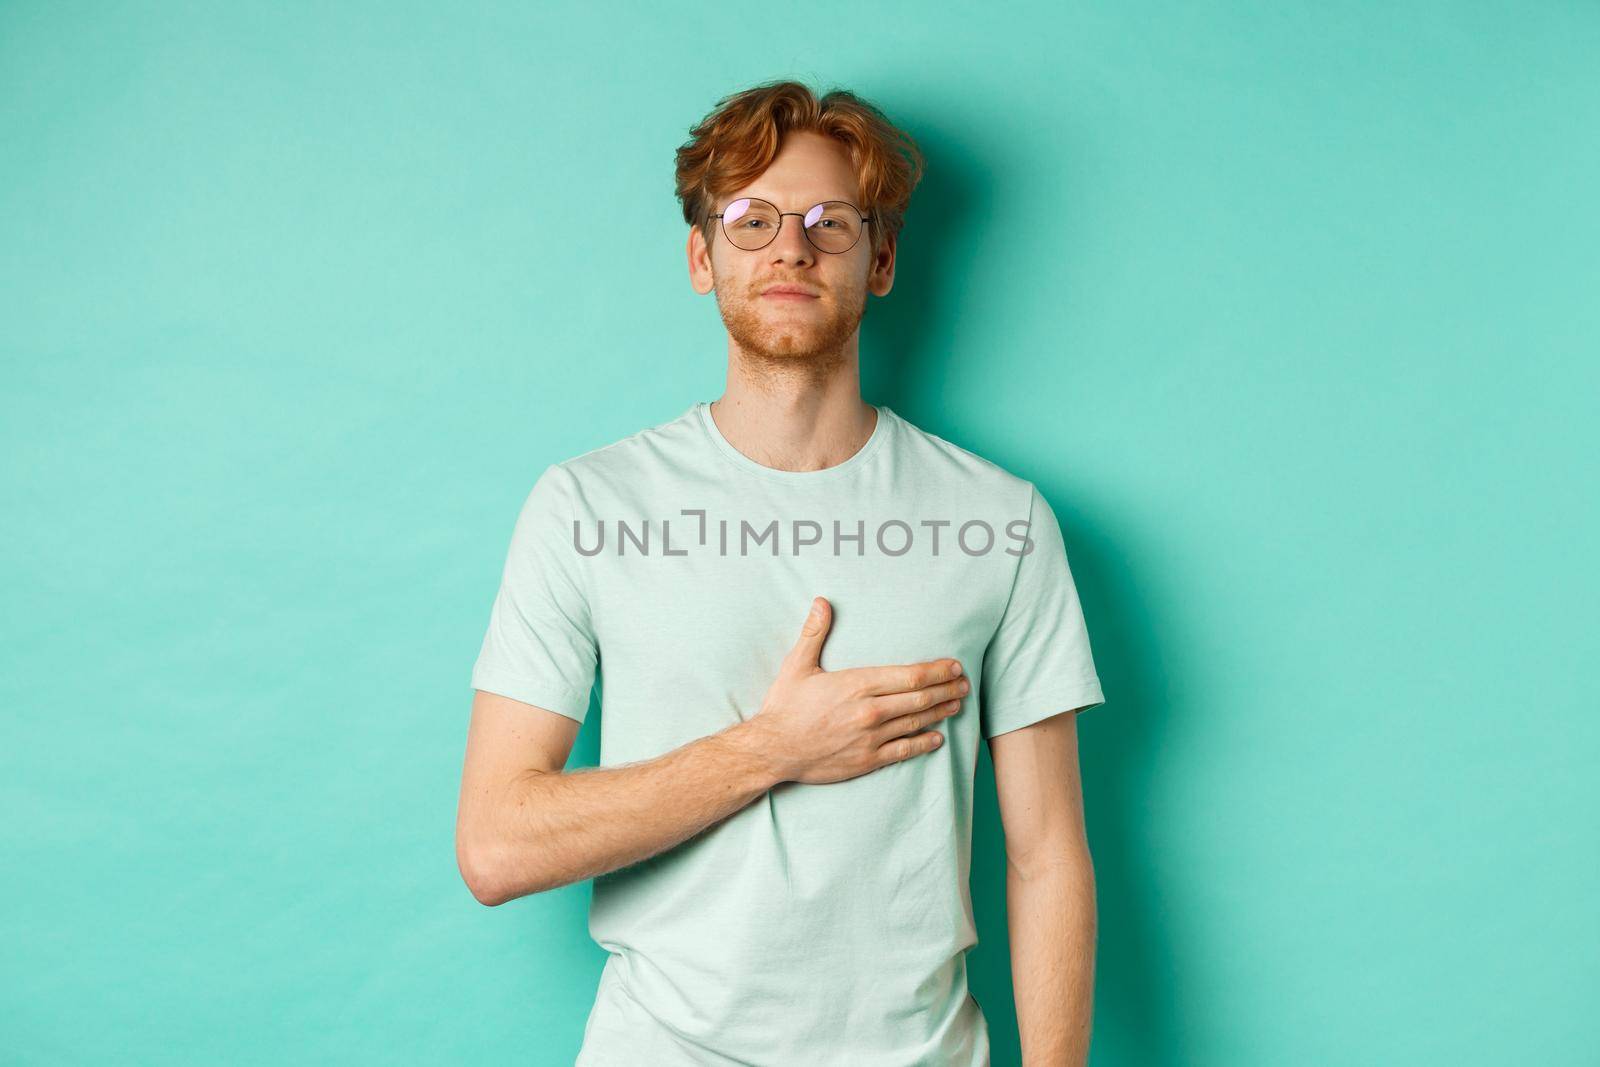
803,612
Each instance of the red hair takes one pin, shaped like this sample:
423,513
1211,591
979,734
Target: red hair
740,138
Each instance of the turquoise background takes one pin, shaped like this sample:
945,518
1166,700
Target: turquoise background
1289,309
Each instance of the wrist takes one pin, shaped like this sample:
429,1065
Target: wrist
748,739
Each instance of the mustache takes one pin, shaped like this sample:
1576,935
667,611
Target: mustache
803,283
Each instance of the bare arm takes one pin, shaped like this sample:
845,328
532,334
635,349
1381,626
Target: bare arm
524,825
1050,890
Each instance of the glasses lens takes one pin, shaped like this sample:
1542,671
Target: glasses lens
834,226
750,223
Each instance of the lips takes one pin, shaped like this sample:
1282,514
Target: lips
789,292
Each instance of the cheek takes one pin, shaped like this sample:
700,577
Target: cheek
848,282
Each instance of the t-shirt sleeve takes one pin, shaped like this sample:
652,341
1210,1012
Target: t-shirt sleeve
1038,663
540,646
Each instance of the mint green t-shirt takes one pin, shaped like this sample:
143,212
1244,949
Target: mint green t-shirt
820,924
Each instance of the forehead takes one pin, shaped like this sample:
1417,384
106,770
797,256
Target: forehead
808,168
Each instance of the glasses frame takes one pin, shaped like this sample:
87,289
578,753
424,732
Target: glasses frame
779,227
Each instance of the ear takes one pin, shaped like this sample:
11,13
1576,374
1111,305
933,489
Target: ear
699,262
880,279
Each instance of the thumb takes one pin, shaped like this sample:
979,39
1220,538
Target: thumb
807,652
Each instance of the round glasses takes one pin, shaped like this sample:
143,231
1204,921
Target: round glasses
832,226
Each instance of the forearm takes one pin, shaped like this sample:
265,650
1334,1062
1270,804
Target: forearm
550,829
1050,909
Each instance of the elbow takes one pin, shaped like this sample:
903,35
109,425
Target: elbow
1071,863
490,875
480,872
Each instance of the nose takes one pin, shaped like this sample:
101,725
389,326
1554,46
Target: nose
791,244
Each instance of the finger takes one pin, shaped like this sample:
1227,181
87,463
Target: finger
901,725
893,704
905,677
807,651
903,748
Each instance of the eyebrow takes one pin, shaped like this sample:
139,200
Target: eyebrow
814,203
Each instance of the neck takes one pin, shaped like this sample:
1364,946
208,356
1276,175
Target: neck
794,421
